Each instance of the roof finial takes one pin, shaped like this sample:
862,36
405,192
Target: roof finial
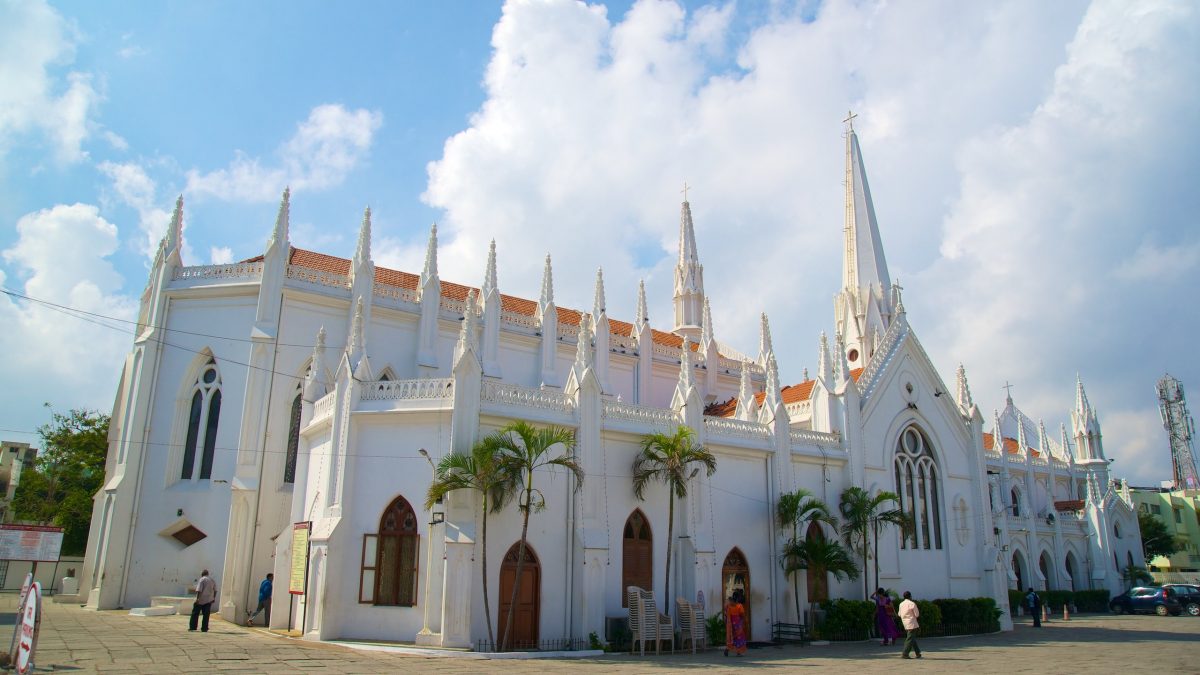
598,298
643,314
765,347
363,253
547,284
706,327
431,251
685,189
280,233
489,275
583,345
1008,396
849,121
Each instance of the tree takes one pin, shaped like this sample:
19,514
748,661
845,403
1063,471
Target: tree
482,472
1156,539
59,488
523,450
816,553
863,515
667,459
797,510
1134,575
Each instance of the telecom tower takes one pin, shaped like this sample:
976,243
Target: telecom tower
1178,422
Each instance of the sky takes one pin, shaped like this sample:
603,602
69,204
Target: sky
1035,169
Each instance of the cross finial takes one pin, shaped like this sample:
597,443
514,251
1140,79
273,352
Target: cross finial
1008,387
685,189
849,120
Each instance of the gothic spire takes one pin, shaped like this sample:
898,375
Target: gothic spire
430,270
547,285
689,277
280,233
362,253
685,366
173,239
583,345
825,361
706,328
598,299
314,383
963,395
773,393
864,265
643,315
1043,439
467,339
489,275
745,400
841,367
354,346
765,347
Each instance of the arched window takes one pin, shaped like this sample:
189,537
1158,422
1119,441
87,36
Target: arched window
293,443
637,555
203,415
917,485
1016,503
396,556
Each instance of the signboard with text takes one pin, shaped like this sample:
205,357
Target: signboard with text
35,543
30,622
298,577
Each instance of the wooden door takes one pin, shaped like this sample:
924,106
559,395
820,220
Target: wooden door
525,618
637,555
735,574
818,578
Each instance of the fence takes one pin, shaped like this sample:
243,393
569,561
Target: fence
945,629
560,645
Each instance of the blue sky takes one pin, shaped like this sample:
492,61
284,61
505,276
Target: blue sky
1033,168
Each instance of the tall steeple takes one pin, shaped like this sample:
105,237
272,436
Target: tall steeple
689,276
865,305
765,349
547,297
1086,425
643,315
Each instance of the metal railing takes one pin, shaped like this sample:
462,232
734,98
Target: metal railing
559,645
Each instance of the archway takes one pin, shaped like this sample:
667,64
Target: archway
526,616
637,555
818,578
735,579
1047,569
1072,569
1018,565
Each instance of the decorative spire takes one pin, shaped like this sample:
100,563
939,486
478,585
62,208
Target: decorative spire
430,270
864,265
355,345
689,278
362,254
1082,407
997,434
685,366
1066,442
1043,439
470,327
598,299
280,233
963,395
489,275
547,285
643,315
314,382
706,328
746,405
765,348
897,301
841,367
1022,440
583,345
824,361
774,395
173,239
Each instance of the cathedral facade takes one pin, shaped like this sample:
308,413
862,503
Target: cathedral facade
301,388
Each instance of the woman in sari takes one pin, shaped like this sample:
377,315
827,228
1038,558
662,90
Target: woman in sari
885,617
735,626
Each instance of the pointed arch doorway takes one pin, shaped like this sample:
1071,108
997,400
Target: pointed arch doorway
637,555
527,613
735,579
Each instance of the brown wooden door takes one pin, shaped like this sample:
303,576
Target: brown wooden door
637,561
525,618
735,574
818,578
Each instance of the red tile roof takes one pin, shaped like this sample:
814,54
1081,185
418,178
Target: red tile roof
1069,505
792,393
1010,445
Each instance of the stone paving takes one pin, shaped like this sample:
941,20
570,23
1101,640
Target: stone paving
79,640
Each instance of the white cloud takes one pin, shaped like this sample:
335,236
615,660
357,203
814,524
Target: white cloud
324,150
1154,263
35,42
136,189
1017,154
221,255
61,256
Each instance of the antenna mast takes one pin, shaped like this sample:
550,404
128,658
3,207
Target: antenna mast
1180,431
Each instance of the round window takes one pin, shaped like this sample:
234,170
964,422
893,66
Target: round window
210,376
852,355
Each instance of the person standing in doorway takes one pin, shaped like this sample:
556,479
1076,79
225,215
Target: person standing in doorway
265,590
206,595
1033,602
735,625
908,615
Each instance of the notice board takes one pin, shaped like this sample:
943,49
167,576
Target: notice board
36,543
298,577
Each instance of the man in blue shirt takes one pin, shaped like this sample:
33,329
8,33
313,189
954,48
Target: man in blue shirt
264,601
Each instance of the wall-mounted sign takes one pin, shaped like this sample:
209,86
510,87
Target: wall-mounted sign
37,543
299,571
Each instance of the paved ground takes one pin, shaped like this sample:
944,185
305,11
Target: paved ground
74,639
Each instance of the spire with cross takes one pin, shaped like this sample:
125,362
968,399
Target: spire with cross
1008,388
685,189
849,120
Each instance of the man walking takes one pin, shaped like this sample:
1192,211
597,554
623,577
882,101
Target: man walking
206,594
908,616
264,602
1033,602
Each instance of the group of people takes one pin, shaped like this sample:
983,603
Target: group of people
206,596
885,621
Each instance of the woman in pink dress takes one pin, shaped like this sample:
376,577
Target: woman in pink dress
885,617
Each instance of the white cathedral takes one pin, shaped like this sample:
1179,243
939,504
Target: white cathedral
298,387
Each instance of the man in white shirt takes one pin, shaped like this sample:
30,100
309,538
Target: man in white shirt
206,594
908,616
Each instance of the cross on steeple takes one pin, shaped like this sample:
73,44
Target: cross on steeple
1008,387
685,189
849,120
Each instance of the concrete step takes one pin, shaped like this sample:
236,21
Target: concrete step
182,604
68,599
152,611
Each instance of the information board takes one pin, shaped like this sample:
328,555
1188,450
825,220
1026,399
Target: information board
299,571
35,543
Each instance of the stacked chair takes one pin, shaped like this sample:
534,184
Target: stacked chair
692,624
646,623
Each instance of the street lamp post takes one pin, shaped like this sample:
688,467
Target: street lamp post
431,628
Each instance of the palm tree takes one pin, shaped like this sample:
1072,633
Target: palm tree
666,458
1134,575
863,515
818,553
796,510
480,472
524,449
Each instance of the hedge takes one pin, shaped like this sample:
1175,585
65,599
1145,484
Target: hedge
855,619
1084,601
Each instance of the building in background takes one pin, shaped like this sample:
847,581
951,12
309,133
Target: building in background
15,457
1179,510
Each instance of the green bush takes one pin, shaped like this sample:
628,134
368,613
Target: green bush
1054,600
715,627
1016,599
971,615
930,619
1092,601
846,620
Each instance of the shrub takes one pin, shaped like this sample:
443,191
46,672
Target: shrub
971,615
715,627
1054,600
930,619
1092,601
846,620
1016,599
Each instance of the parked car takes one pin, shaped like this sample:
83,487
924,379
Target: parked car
1161,601
1188,596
